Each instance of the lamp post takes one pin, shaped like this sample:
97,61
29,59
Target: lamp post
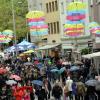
14,24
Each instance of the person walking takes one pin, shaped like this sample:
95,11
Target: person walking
57,91
80,90
69,83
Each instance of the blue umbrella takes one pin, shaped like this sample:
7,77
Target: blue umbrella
62,70
40,65
91,82
54,70
37,82
74,68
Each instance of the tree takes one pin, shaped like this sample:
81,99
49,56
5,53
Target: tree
21,9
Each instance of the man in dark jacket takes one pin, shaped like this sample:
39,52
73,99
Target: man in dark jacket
57,91
42,94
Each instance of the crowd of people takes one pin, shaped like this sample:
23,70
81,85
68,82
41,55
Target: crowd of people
48,79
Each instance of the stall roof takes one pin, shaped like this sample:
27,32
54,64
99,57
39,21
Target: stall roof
65,46
92,55
47,46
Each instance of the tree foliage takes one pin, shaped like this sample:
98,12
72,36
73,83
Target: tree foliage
6,19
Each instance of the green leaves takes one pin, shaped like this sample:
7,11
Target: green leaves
6,22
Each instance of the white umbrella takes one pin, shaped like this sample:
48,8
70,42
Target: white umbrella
11,82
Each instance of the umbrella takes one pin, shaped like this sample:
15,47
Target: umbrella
40,65
35,14
28,64
29,52
37,82
3,71
21,55
91,82
78,63
54,70
16,77
62,70
74,68
65,63
11,82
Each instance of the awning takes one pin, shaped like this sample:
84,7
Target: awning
65,46
92,55
48,47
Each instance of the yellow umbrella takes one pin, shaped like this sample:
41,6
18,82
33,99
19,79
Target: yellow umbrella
76,6
22,54
29,51
35,14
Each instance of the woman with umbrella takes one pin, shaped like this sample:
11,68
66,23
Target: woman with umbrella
91,91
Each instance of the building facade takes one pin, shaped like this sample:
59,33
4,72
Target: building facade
55,13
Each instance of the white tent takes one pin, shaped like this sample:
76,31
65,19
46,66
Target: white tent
92,55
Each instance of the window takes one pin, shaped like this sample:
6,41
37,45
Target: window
48,28
47,8
50,8
53,8
51,28
57,27
56,6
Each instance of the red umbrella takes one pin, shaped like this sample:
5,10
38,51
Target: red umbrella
16,77
3,71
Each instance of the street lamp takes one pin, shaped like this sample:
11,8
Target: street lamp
14,24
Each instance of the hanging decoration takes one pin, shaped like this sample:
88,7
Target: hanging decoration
94,28
76,14
73,30
6,36
76,11
36,23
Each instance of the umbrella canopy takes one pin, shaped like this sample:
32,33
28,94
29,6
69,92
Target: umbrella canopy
78,63
29,52
37,82
62,70
25,43
14,48
3,71
35,14
16,77
74,68
76,6
66,63
28,64
11,82
91,82
54,70
40,65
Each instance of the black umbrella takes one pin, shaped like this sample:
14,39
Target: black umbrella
91,82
